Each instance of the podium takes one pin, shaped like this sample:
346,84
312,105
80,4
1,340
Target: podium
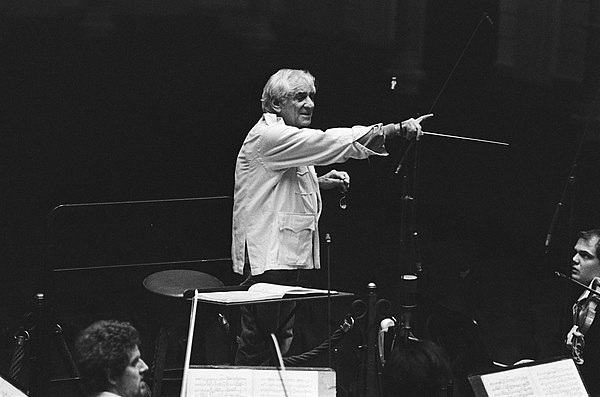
249,381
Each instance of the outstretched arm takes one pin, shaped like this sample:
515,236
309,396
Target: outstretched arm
407,129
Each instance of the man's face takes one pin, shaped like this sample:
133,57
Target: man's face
586,264
130,383
297,110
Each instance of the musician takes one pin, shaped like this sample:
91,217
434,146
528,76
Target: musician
416,368
109,361
277,202
584,337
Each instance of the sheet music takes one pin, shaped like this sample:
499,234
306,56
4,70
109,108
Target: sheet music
559,379
215,383
8,390
245,382
554,379
260,291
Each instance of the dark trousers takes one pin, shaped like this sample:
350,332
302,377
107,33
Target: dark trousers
259,321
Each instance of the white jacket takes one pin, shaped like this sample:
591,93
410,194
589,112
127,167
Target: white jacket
277,202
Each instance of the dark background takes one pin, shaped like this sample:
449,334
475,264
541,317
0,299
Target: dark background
158,107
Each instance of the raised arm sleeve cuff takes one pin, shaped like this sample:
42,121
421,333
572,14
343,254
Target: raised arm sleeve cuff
374,139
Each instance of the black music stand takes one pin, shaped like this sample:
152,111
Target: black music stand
196,301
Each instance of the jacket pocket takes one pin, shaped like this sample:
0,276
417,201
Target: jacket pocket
296,239
306,198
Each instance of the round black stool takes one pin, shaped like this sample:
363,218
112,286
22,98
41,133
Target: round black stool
173,283
168,287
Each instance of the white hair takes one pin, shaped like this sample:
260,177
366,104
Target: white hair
283,84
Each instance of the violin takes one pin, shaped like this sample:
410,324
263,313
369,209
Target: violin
584,313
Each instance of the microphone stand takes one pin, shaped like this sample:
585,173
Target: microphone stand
414,234
572,177
484,17
410,196
409,206
328,241
568,188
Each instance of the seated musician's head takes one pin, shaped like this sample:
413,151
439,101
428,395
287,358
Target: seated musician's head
416,368
108,358
586,264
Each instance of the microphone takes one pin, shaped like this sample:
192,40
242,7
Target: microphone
386,345
408,287
569,185
408,301
488,19
552,225
223,322
404,155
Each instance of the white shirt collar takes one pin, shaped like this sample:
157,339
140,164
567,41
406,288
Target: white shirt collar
107,394
272,118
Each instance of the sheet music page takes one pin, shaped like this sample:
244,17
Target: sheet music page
208,382
554,379
259,291
297,383
559,379
243,382
286,289
8,390
237,296
514,382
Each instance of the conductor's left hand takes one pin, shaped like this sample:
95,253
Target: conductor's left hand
335,180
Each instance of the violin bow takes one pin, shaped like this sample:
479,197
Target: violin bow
559,274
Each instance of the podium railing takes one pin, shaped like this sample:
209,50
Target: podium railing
98,254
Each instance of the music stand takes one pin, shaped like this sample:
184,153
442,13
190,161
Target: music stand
194,295
553,377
